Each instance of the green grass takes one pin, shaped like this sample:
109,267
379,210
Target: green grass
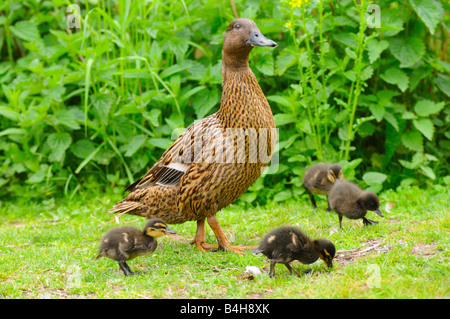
47,250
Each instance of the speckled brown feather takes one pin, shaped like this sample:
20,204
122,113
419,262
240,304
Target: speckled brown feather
208,186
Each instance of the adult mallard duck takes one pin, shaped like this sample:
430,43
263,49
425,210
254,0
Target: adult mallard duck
287,243
207,167
320,178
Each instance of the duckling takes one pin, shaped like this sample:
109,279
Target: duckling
126,243
287,243
192,181
350,201
320,178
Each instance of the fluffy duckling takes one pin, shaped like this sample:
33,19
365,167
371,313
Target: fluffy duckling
320,178
287,243
350,201
126,243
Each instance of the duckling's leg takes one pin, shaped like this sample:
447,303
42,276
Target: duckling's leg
311,196
329,209
340,221
368,221
224,243
125,268
273,262
199,239
288,266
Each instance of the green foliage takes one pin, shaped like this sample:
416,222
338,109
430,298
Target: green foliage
101,103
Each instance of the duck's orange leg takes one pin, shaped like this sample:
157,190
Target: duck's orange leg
224,243
199,239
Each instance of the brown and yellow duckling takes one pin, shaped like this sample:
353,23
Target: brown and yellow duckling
287,243
350,201
181,187
125,243
320,178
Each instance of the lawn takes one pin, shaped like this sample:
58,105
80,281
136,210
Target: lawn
47,249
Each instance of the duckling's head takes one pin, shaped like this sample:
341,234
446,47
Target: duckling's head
241,36
156,227
335,173
370,201
326,250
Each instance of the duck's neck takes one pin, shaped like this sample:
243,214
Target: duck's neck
242,97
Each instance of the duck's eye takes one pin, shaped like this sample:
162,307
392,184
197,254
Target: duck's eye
237,26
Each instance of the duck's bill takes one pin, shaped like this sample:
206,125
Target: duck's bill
378,211
257,39
170,231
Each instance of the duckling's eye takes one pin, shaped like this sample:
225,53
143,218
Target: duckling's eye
237,26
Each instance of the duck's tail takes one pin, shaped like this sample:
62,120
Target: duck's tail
125,207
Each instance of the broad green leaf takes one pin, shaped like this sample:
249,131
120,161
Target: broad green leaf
283,119
284,60
134,145
374,178
179,46
9,113
204,101
67,118
396,76
26,30
426,107
429,11
82,148
443,83
162,143
428,171
408,51
413,140
102,103
375,48
377,111
266,64
282,196
59,143
425,126
280,100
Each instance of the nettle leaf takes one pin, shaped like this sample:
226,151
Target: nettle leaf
68,119
374,178
204,101
377,111
26,30
82,148
102,103
426,107
429,11
59,143
408,51
443,83
425,126
396,76
134,145
284,60
266,64
413,140
375,48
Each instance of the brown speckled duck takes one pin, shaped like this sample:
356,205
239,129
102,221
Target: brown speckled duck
185,186
320,178
287,243
350,201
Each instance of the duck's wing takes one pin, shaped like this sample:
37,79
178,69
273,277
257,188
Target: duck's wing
175,162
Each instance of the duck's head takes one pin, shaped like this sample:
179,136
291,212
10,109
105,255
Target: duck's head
335,173
241,36
156,227
326,250
370,201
